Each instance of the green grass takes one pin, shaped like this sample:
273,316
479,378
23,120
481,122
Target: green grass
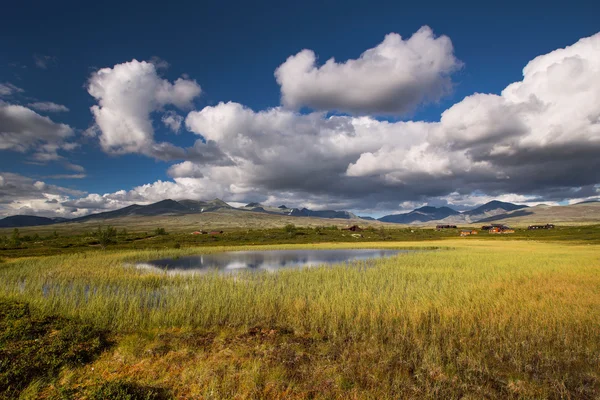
38,242
486,317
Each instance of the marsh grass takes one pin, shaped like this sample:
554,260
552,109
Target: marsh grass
476,318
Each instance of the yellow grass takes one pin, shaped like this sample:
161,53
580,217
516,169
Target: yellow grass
475,319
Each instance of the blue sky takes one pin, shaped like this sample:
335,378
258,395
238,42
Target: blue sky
232,50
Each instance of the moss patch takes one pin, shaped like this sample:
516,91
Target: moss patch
36,348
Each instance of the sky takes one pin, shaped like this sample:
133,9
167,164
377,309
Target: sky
374,108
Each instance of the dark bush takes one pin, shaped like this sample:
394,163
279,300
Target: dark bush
36,348
106,236
290,228
160,232
15,238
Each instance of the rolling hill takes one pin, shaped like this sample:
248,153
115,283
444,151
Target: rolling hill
587,212
164,207
168,208
224,218
197,211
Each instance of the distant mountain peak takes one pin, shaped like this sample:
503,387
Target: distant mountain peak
164,202
444,209
425,209
219,201
449,215
494,206
420,215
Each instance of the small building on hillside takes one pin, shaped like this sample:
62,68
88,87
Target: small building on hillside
547,226
353,228
440,227
498,228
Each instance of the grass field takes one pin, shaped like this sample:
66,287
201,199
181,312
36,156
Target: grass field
476,318
46,240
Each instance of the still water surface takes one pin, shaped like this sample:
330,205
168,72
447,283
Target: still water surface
270,260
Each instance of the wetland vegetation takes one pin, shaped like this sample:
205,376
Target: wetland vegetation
483,317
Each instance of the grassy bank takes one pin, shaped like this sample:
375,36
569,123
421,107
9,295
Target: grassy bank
40,241
477,319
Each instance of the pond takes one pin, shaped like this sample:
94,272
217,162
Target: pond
269,260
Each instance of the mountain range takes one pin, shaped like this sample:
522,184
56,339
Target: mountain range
298,212
164,207
448,215
492,211
419,215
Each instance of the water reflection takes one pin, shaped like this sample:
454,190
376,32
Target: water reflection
271,260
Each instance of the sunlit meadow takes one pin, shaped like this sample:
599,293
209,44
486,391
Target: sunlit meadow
456,318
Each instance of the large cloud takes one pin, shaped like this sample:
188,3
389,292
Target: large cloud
127,94
22,129
279,151
22,195
540,133
392,78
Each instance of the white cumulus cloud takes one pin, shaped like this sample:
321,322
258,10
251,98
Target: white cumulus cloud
127,94
541,132
22,129
186,169
392,78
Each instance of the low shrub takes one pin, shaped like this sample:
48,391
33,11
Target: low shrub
289,228
36,348
160,232
106,236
